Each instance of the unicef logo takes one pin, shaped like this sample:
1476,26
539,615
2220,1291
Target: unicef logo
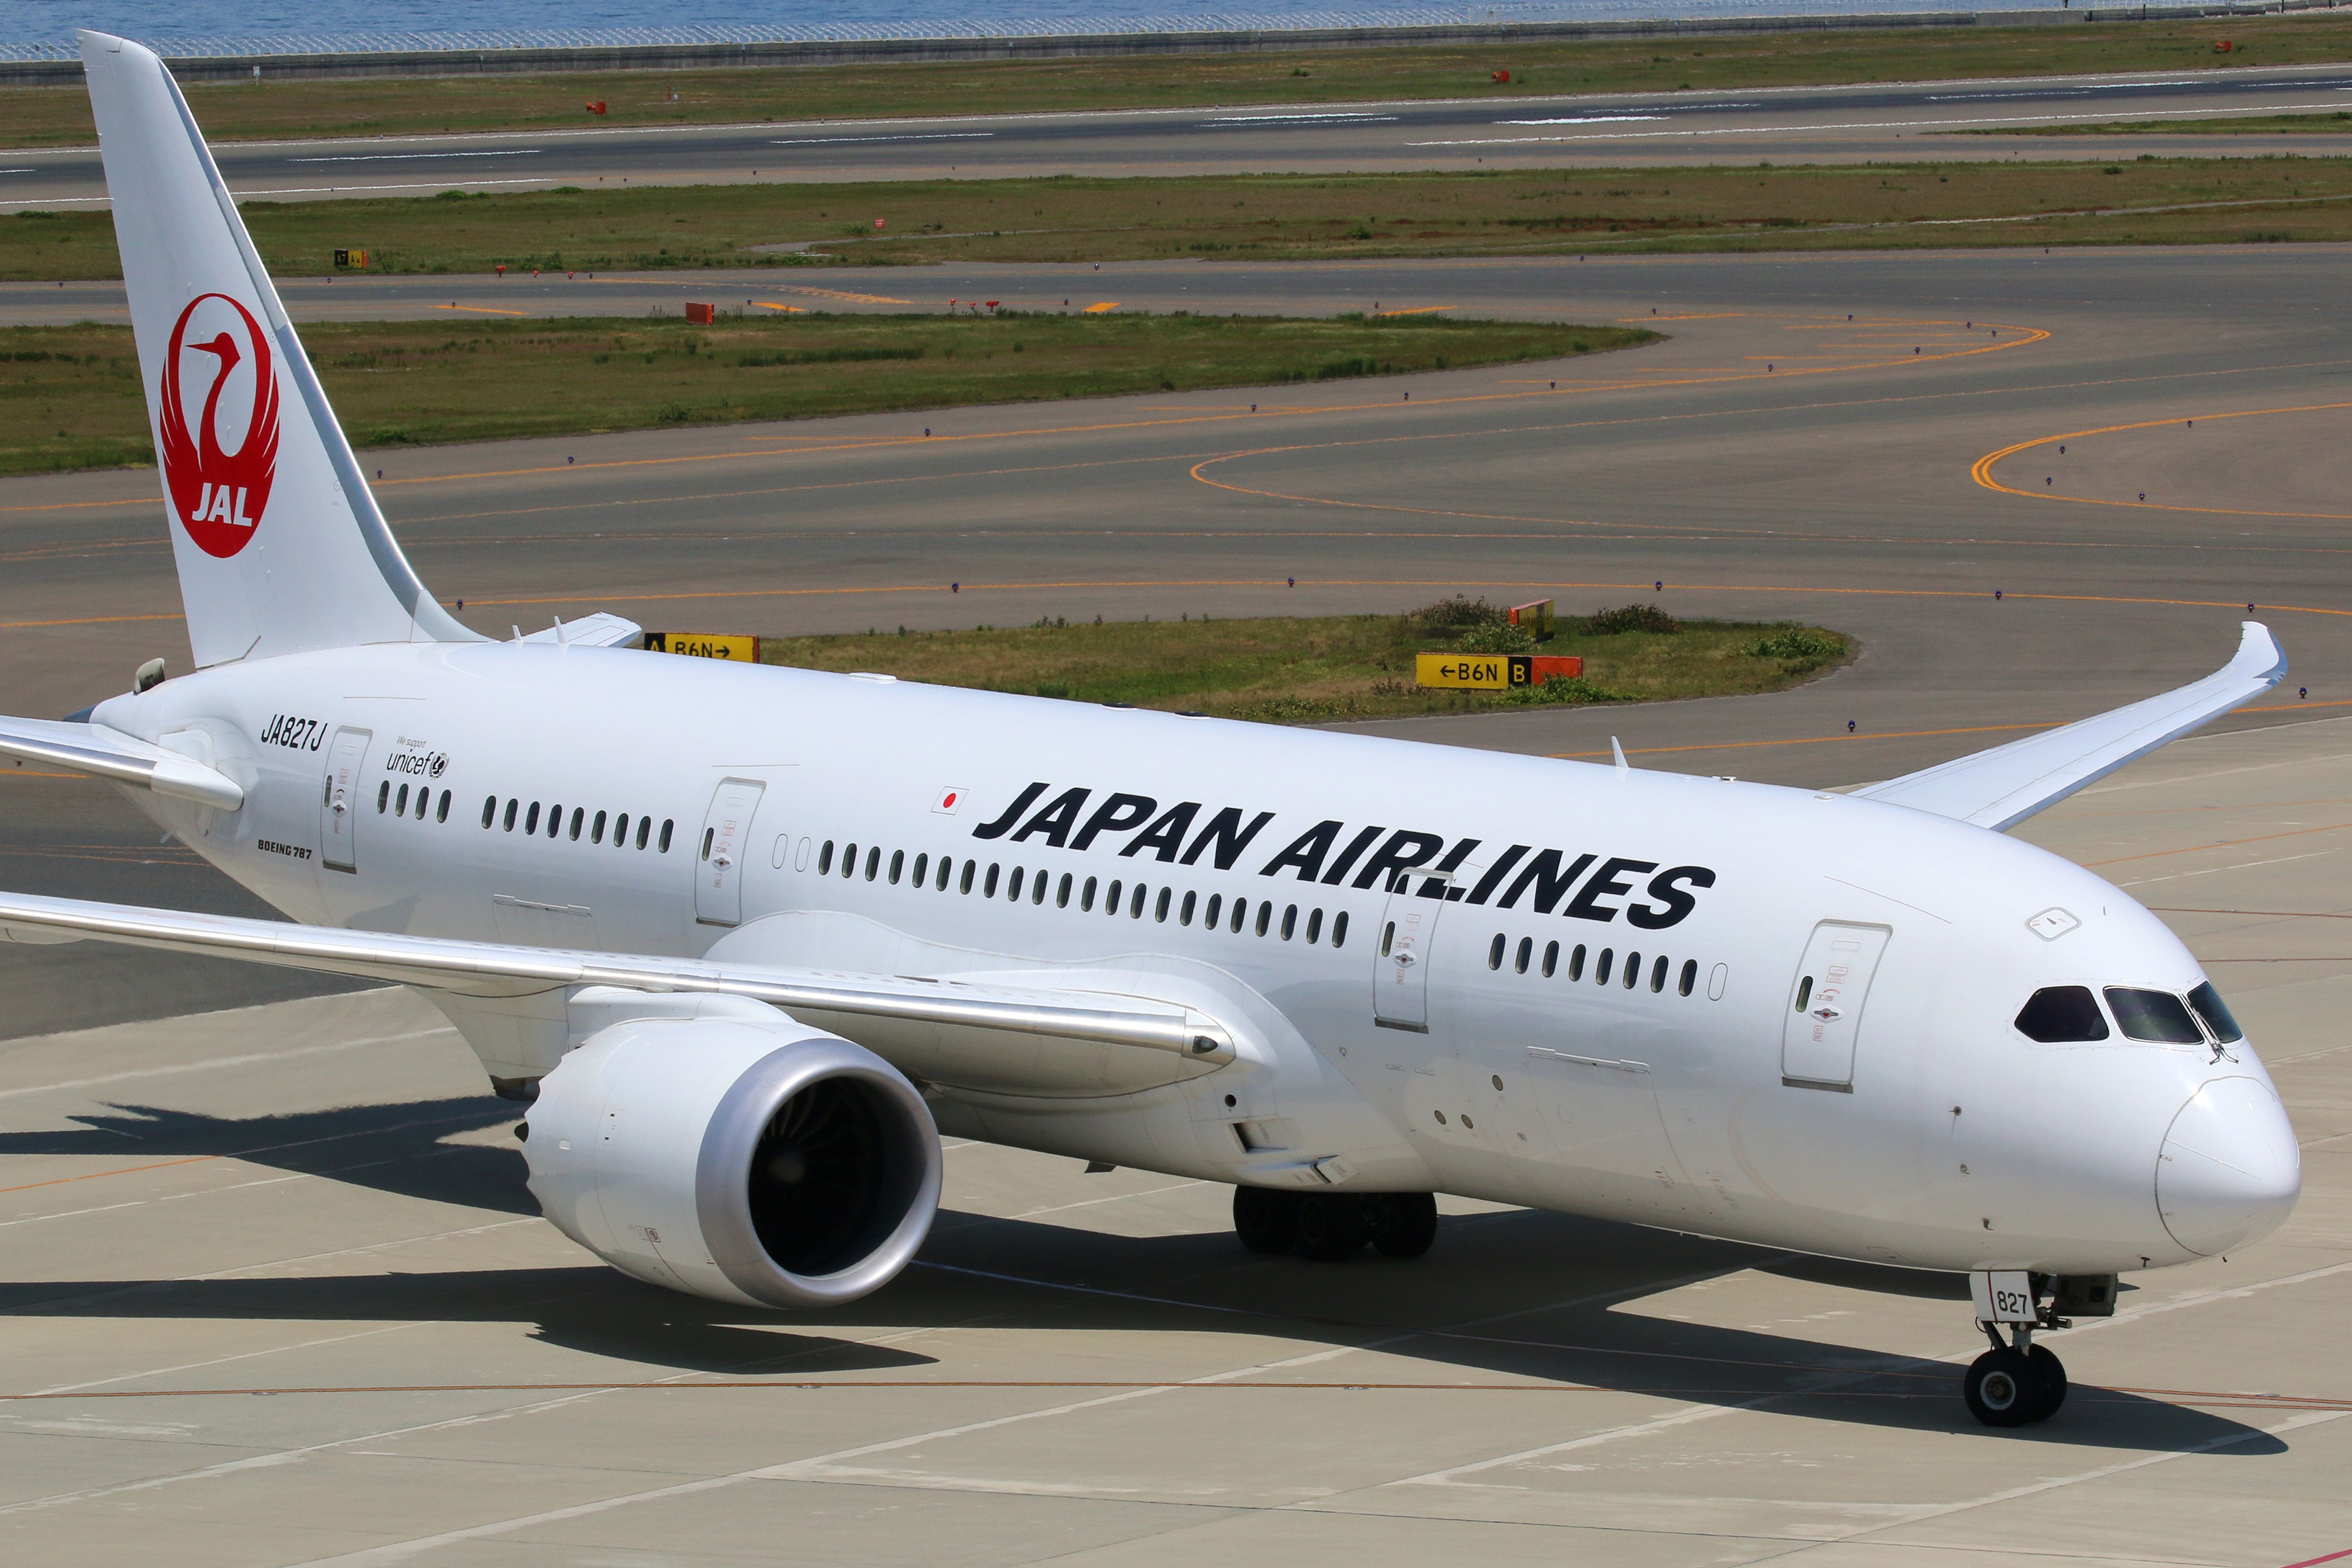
440,764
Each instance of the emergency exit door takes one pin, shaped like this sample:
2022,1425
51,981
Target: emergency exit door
339,803
718,858
1818,1032
1400,969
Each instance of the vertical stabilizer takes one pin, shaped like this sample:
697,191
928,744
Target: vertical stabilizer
279,542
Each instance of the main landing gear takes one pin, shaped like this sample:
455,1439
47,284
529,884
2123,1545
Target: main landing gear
1330,1227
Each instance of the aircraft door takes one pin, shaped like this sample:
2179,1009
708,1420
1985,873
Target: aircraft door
718,858
1824,1022
1400,968
339,800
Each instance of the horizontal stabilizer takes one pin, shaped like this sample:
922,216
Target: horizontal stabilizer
485,969
106,753
2001,787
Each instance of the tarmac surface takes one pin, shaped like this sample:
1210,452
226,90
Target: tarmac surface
276,1293
1807,125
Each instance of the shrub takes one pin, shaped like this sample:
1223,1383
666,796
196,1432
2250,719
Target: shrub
1496,637
1800,647
1451,615
1631,619
1570,689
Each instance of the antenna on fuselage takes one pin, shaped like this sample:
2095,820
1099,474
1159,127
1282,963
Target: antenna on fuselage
1618,752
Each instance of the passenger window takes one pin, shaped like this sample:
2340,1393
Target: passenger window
1340,929
1289,921
443,815
2157,1016
1690,976
1388,936
873,862
597,837
1527,952
1600,966
1184,915
554,820
1265,916
531,819
401,810
1658,976
512,805
1135,902
2059,1013
1062,892
667,823
1086,896
897,866
1241,907
1495,952
946,865
383,793
1551,958
968,867
1013,893
490,809
1315,927
1110,901
1576,961
2207,1003
988,888
644,825
1804,991
621,832
1037,892
1160,909
707,833
1633,970
824,859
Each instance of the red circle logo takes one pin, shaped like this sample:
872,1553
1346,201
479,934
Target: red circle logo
219,495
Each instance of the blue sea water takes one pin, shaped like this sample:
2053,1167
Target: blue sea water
41,29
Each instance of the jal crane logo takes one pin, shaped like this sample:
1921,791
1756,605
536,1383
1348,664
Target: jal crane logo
219,495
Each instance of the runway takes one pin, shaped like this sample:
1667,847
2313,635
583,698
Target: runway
316,1193
1902,121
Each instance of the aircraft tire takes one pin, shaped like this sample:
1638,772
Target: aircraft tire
2004,1388
2053,1373
1332,1226
1407,1226
1265,1221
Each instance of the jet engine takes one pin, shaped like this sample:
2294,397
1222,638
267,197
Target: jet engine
748,1159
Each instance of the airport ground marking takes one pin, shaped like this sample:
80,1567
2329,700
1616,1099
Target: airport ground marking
1981,470
480,309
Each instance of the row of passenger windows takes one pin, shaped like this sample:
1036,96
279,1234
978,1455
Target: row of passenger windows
387,804
1120,896
1604,965
530,815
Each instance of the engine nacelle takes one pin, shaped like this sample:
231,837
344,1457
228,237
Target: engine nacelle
747,1159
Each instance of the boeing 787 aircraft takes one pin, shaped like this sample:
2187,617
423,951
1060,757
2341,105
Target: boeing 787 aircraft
746,967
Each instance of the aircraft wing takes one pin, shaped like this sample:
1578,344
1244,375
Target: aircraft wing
599,630
485,969
110,755
2001,787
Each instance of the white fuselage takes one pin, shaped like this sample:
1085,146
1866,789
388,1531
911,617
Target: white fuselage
1910,1123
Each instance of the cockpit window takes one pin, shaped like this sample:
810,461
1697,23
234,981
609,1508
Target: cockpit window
2157,1016
2207,1003
2057,1013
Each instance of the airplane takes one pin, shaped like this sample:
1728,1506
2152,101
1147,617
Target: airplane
748,941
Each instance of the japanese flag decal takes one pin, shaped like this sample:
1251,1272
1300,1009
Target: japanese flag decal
219,495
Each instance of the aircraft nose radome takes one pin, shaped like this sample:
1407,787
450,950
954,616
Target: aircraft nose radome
2230,1169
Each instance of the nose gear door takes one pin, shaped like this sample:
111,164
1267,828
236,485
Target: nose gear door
1824,1019
339,802
719,860
1400,969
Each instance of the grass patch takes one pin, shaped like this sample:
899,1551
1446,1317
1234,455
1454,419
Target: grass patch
407,106
1320,670
2335,124
71,396
1265,217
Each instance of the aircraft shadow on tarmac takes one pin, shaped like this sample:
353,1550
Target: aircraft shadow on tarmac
1521,1293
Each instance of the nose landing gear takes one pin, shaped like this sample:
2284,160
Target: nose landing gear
2020,1382
1331,1228
2015,1384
